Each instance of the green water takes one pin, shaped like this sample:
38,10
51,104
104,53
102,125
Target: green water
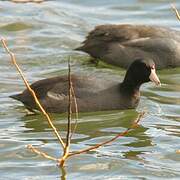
42,37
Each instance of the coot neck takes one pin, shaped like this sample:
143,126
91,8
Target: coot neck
129,86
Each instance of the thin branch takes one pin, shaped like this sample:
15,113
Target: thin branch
99,145
76,111
176,11
35,150
68,136
111,140
13,59
70,105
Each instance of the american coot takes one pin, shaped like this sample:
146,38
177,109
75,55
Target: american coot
121,44
91,94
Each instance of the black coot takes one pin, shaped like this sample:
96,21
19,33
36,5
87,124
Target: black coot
121,44
91,94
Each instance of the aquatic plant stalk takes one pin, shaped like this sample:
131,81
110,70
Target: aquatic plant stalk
134,125
76,111
68,136
35,150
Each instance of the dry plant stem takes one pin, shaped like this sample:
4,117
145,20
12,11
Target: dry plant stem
76,111
68,136
111,140
176,11
32,92
41,153
70,105
70,154
69,131
63,173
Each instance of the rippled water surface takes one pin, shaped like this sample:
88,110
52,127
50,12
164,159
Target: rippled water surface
42,37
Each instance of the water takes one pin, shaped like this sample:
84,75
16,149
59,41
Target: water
42,36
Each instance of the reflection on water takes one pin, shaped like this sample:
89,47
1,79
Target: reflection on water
43,36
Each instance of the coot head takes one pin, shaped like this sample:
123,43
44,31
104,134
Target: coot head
139,72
